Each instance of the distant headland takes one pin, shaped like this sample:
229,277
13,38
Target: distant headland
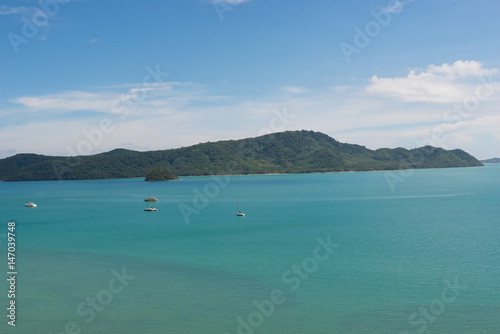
491,161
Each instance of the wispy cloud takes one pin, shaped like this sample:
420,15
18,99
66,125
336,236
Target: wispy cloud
341,89
65,102
293,89
7,10
93,41
437,83
157,98
28,11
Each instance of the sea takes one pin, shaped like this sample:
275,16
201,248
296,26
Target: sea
383,252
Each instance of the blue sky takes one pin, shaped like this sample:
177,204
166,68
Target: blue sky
87,76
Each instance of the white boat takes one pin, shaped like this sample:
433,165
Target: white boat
151,199
238,211
150,208
30,205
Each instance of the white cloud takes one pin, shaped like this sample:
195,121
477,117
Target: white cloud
155,98
26,11
152,131
461,69
294,89
477,135
6,10
444,83
66,102
93,41
181,113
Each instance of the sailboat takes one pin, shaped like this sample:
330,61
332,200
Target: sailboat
150,208
238,212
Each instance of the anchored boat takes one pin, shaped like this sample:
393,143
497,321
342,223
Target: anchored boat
238,211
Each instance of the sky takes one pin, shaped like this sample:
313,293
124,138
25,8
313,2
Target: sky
80,77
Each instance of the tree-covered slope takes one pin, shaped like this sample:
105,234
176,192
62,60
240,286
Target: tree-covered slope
285,152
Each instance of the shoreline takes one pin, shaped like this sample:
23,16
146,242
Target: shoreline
250,174
334,172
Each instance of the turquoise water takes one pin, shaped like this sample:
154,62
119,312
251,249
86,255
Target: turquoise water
392,261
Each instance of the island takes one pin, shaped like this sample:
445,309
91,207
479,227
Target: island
491,161
283,152
160,174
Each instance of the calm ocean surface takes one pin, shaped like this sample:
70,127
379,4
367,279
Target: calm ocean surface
316,253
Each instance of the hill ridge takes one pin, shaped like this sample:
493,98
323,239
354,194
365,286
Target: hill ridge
282,152
491,161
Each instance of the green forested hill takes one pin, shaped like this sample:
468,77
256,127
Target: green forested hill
285,152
